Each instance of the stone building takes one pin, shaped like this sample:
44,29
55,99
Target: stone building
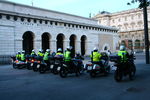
130,24
25,27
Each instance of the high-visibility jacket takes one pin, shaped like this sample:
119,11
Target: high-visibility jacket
46,55
123,55
67,56
96,56
22,57
18,56
40,54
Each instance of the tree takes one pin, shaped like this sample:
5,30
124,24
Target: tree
143,5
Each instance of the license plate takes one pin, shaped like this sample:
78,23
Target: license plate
38,66
31,64
52,66
58,68
89,67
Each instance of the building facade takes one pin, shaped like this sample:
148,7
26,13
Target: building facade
130,24
25,27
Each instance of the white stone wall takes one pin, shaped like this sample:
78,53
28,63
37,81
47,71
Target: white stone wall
11,31
29,10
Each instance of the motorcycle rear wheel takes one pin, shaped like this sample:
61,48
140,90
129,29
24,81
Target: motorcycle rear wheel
93,74
42,69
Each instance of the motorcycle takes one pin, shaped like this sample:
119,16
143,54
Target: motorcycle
57,63
37,63
74,67
124,68
18,63
45,66
95,68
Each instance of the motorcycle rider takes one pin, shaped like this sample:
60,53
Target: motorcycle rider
59,52
123,54
46,57
33,53
23,56
67,56
96,58
18,55
40,53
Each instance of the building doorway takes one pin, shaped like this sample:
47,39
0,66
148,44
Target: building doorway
83,45
28,38
45,41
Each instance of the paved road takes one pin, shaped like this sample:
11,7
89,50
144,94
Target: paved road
25,84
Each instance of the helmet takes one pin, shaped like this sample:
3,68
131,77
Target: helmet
33,51
23,51
18,52
47,50
122,47
68,48
95,48
59,49
40,50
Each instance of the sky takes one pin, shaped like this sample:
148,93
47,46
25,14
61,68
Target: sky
80,7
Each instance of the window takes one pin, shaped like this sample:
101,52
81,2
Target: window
35,20
8,17
22,19
15,18
29,20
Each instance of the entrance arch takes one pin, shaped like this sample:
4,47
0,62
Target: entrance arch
45,41
28,38
83,45
60,41
72,44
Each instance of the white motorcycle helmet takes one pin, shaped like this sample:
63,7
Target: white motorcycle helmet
47,50
122,47
59,50
95,49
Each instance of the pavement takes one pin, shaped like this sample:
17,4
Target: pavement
23,84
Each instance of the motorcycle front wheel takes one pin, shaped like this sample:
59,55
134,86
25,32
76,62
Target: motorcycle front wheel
132,72
63,72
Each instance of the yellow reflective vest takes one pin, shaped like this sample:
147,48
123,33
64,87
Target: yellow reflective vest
96,56
123,55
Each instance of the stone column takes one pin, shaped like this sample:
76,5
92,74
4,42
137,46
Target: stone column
53,45
78,46
37,45
66,43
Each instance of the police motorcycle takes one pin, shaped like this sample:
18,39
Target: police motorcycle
124,68
37,63
45,66
17,63
30,59
75,66
95,68
58,60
